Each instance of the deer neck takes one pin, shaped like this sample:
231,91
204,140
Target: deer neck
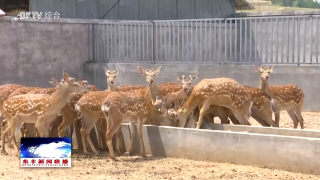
190,104
112,87
264,86
154,91
60,98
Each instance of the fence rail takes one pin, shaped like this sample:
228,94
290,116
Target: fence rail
280,40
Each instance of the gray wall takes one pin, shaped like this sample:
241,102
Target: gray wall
32,53
136,9
303,76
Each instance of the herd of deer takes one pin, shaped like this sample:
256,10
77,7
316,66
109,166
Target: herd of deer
167,104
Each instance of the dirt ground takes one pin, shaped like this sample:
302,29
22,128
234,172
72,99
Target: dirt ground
136,168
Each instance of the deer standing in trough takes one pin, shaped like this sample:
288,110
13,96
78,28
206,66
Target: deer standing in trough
223,92
40,109
288,97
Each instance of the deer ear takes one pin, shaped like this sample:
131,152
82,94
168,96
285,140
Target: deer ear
257,68
66,76
140,70
106,71
193,77
115,72
271,69
179,78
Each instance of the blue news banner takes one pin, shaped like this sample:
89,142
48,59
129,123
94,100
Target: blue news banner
46,152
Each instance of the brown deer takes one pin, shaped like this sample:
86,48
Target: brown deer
40,109
153,89
178,97
69,114
262,107
89,109
288,97
223,92
132,107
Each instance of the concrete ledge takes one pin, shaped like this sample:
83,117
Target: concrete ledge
297,154
263,130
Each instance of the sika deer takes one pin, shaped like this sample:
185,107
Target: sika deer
154,89
262,107
179,96
132,107
223,92
288,97
89,109
40,109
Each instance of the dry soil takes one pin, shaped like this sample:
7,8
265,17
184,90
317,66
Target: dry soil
136,168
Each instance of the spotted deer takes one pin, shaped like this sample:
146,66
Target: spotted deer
69,114
131,107
288,97
263,106
223,92
177,97
89,109
38,90
153,89
40,109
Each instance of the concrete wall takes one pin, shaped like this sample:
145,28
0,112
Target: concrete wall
271,151
137,9
303,76
32,53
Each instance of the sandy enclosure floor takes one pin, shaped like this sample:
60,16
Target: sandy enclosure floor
311,120
136,168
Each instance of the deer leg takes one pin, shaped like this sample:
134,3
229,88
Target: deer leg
4,134
233,119
223,114
113,126
140,126
299,117
9,131
85,131
293,117
132,135
203,109
241,116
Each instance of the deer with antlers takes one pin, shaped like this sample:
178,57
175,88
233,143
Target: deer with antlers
40,109
288,97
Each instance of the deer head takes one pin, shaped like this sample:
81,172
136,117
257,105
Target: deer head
111,76
187,81
172,115
264,72
70,85
149,74
159,104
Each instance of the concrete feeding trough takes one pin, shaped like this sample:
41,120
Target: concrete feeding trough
276,148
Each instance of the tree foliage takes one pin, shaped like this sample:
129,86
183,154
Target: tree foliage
298,3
